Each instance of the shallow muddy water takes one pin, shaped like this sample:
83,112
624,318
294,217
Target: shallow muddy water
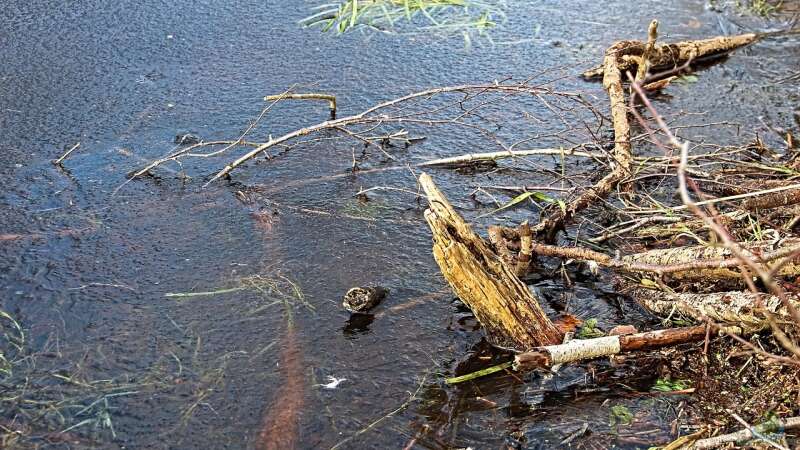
84,268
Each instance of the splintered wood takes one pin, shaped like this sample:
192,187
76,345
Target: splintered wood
505,307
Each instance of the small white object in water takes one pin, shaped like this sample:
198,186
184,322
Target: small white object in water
334,382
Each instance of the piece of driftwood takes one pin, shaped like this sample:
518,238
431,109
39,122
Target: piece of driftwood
581,349
747,310
665,56
505,307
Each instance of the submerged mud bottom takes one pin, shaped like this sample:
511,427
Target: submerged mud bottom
281,426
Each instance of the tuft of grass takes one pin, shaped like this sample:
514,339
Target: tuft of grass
388,15
762,8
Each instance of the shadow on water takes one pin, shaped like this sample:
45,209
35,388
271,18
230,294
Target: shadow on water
109,361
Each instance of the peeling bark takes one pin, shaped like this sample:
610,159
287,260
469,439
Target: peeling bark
711,263
744,309
581,349
508,311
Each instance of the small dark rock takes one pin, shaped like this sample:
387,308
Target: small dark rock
187,139
362,299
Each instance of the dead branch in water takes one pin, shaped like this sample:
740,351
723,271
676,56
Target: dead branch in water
621,155
331,99
614,63
673,55
581,349
494,156
60,160
757,432
461,106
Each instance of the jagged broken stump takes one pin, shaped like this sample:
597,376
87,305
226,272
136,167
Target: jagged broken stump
505,307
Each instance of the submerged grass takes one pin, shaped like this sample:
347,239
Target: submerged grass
46,398
272,288
14,340
763,8
53,395
389,15
59,397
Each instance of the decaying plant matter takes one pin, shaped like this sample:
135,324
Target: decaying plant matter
765,267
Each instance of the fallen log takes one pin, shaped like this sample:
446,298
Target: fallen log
748,310
505,307
581,349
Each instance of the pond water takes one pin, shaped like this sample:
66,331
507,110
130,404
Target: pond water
111,362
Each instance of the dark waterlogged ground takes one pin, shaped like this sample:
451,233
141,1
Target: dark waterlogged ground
111,361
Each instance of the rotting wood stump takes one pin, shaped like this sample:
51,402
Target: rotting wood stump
509,313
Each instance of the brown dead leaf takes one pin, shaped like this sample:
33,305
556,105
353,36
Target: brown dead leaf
567,323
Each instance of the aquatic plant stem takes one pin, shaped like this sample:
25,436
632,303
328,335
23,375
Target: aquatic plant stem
203,294
375,423
479,373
